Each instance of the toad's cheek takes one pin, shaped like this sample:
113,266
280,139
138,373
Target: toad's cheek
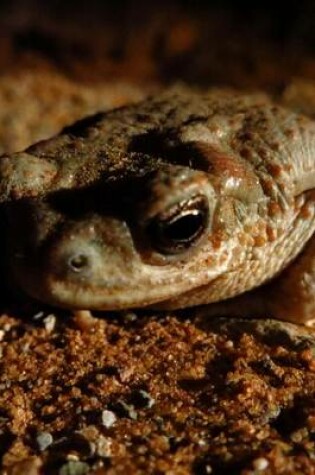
98,267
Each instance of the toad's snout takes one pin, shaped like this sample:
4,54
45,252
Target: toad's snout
94,252
83,264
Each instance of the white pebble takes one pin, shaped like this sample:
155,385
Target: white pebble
108,419
260,464
50,322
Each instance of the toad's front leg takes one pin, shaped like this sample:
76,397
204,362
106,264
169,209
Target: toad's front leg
291,296
288,297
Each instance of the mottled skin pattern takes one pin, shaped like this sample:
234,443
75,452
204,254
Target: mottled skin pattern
181,200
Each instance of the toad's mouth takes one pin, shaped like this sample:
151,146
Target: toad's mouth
138,289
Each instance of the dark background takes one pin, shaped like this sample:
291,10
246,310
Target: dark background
238,43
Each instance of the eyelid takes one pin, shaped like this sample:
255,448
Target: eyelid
172,185
188,205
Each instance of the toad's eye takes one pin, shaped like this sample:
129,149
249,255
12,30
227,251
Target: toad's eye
179,227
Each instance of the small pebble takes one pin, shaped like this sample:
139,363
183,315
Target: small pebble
44,440
229,344
103,447
207,469
74,468
260,464
38,316
50,322
73,457
108,419
130,317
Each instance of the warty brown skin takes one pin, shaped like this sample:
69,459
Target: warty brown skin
181,200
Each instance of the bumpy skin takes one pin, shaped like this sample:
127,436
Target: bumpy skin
80,208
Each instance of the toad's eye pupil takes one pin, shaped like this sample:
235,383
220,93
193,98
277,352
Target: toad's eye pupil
184,227
181,226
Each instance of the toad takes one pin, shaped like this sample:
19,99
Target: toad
184,199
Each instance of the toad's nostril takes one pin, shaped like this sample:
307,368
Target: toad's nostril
78,262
